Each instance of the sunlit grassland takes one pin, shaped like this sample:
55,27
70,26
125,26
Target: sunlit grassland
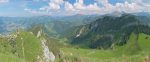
10,58
25,46
126,53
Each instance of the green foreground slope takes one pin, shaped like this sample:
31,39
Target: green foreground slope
126,53
22,47
26,47
10,58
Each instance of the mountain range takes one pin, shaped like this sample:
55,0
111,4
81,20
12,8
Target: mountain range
77,38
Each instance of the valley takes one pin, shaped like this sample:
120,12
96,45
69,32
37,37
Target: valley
78,38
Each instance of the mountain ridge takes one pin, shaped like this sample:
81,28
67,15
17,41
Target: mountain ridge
107,30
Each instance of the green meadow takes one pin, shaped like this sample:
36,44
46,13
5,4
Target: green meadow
126,53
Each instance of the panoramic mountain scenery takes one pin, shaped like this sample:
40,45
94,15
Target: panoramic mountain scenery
74,30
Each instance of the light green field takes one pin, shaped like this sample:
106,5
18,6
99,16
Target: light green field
26,46
126,53
10,58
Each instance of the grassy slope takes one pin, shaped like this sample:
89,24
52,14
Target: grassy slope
126,53
26,46
31,45
10,58
144,43
32,49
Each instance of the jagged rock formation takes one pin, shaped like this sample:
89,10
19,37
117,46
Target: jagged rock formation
47,55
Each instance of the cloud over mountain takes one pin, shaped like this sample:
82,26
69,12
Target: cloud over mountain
71,7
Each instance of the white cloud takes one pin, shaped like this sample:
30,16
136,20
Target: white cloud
35,12
106,7
129,6
79,5
93,7
54,6
57,1
30,10
125,7
145,4
68,6
3,1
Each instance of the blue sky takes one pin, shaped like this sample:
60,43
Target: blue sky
16,8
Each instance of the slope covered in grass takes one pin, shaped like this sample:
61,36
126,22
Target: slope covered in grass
144,42
127,53
18,47
29,46
10,58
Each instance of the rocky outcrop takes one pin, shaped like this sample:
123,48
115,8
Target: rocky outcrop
48,56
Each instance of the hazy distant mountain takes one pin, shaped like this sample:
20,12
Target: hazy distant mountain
59,24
